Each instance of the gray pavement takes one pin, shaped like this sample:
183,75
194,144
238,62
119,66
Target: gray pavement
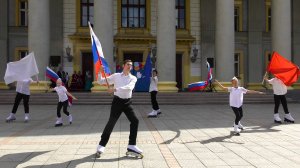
183,136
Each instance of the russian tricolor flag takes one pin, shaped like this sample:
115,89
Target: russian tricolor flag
51,74
98,55
197,86
209,70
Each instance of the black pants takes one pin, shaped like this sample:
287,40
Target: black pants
18,99
153,100
277,100
238,114
65,106
118,106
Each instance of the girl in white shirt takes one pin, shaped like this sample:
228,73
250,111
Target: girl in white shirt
62,102
280,90
236,102
23,92
153,91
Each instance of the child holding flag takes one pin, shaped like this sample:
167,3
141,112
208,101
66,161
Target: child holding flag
23,92
62,102
153,91
236,101
280,90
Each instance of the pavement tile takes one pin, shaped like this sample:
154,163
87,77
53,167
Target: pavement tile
184,136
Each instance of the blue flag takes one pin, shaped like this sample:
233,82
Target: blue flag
143,77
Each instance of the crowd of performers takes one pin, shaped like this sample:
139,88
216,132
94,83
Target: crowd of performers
124,84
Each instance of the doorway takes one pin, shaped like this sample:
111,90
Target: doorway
179,71
87,65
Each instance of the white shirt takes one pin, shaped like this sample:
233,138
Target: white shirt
62,93
236,96
123,84
279,88
153,84
23,86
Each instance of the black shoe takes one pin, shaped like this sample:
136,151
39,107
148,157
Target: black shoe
288,121
277,122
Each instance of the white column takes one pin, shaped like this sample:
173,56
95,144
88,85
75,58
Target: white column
103,27
39,33
166,43
281,27
224,39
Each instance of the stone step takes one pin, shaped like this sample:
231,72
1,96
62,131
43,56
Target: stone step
182,98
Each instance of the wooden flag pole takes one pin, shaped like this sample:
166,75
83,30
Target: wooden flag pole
262,83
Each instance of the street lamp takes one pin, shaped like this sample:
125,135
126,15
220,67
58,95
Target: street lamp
195,54
69,56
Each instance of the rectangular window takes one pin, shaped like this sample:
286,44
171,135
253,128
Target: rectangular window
180,14
133,13
22,53
23,13
236,19
237,64
87,12
269,19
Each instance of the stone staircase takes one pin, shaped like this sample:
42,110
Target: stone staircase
139,98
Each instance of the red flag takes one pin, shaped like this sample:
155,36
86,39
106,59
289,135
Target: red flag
283,69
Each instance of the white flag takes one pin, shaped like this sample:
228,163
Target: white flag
20,70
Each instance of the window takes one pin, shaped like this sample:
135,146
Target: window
22,53
180,14
269,19
237,64
23,13
236,19
133,13
87,12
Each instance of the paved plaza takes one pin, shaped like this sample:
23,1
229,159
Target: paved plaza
183,136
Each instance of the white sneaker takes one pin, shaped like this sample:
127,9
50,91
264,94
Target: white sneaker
288,118
58,122
11,117
153,113
236,129
241,127
70,119
277,119
26,118
100,150
134,148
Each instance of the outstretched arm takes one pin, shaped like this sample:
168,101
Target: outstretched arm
255,92
69,94
51,89
221,86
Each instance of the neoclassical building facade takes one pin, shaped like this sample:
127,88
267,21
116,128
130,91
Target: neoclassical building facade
236,36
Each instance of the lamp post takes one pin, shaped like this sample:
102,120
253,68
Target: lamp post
195,54
69,56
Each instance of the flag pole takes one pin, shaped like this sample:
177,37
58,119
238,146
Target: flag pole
262,83
37,80
103,72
